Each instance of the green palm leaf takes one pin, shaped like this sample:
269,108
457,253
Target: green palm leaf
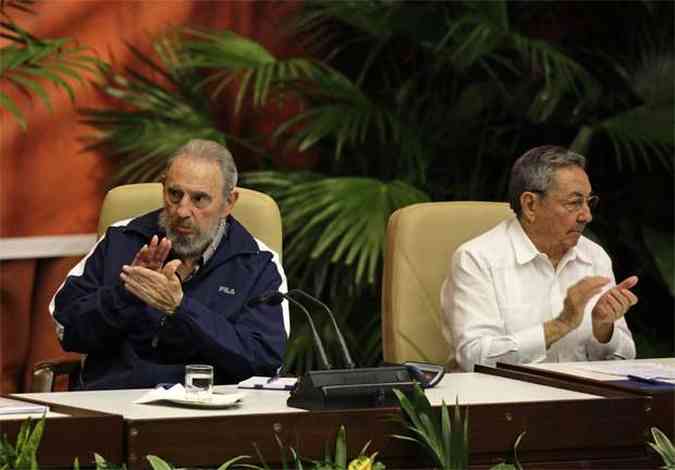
344,217
27,62
664,447
561,75
238,59
369,341
157,119
445,438
372,17
8,104
340,109
341,448
24,453
473,34
640,134
158,464
643,133
479,39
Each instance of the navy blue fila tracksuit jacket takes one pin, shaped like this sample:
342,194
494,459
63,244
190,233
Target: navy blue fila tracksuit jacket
131,345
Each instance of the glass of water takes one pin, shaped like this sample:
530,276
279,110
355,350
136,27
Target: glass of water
198,382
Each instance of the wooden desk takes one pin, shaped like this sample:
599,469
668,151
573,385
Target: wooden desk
584,376
71,432
565,428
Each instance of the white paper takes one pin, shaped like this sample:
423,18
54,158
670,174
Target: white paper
10,406
651,371
269,383
176,394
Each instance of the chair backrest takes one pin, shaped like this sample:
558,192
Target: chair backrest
257,211
421,239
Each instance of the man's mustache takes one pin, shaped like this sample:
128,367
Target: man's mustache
182,224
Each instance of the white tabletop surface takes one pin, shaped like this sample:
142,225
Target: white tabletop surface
34,416
468,388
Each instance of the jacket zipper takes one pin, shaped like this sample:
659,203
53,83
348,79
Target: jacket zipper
162,322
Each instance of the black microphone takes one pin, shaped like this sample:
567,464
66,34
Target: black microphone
275,298
341,388
343,345
268,298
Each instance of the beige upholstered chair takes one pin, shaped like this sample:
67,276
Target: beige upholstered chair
257,211
421,239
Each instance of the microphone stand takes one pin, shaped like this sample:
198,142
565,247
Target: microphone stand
315,334
347,388
341,339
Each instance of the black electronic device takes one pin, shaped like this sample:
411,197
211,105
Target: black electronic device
427,374
341,388
351,388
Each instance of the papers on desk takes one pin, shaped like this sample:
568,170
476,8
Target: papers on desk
646,371
9,406
176,395
269,383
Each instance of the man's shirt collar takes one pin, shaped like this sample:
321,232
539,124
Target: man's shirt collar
522,245
526,251
217,238
211,249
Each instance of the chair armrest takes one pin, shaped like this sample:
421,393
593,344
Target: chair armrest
45,373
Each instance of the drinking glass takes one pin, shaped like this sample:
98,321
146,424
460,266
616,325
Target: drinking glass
198,382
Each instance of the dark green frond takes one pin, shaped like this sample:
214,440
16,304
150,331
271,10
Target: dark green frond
644,133
641,134
23,454
444,437
664,447
343,217
372,17
157,117
472,35
236,58
339,109
28,62
560,73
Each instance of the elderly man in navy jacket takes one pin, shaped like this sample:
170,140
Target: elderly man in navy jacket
171,287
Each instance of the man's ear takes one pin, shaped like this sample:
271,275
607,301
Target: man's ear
528,202
231,201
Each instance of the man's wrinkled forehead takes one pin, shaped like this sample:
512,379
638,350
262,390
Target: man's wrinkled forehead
212,170
571,180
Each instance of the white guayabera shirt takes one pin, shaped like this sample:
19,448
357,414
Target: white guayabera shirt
500,290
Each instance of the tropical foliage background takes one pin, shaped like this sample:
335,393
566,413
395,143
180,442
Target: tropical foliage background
403,102
27,62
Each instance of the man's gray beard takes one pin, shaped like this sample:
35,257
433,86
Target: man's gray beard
190,246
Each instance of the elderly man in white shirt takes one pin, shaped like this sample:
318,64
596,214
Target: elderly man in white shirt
533,289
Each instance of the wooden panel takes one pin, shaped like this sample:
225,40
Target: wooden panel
566,434
662,404
77,435
212,441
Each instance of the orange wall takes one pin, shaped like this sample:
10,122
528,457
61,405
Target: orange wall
48,184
